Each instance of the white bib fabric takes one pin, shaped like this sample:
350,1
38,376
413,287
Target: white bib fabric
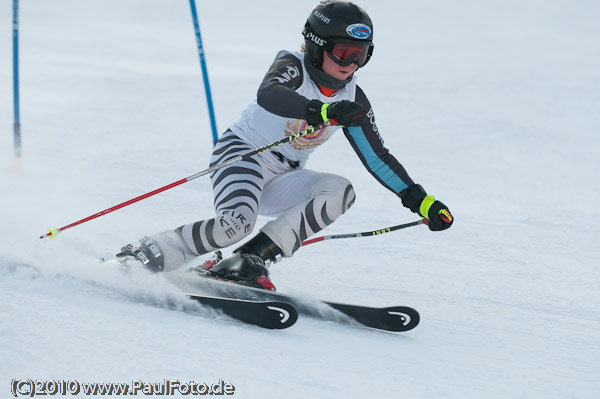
259,127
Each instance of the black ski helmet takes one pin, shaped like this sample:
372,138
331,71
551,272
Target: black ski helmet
332,20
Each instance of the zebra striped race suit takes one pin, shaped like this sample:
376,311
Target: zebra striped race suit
275,183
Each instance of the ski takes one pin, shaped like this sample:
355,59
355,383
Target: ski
275,315
271,314
275,310
393,318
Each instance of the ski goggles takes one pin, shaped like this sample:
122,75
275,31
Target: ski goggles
345,53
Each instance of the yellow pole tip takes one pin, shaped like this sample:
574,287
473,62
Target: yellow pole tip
52,232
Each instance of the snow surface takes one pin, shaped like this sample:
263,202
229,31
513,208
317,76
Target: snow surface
493,106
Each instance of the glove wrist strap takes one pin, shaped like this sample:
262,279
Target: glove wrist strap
425,205
324,112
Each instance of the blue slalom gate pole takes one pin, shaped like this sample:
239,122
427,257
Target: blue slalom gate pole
17,124
211,112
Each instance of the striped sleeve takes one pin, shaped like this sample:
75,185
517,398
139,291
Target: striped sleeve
368,145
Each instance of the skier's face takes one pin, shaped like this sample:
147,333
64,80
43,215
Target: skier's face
331,68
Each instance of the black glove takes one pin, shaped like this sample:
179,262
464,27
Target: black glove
439,215
416,199
346,113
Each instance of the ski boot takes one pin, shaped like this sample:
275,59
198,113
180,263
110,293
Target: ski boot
216,257
248,264
148,253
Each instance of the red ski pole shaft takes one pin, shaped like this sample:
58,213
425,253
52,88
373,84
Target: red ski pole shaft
365,233
53,232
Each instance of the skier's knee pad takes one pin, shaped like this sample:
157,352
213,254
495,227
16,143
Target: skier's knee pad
338,191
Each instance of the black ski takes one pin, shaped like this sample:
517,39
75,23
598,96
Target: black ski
266,314
394,318
274,310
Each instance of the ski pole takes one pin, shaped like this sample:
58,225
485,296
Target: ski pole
53,232
366,233
17,120
209,101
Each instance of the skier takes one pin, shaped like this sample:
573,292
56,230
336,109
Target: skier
310,87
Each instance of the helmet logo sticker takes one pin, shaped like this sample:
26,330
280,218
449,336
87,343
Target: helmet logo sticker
322,17
314,38
358,31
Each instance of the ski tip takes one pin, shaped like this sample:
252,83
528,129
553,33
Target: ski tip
274,315
283,315
402,318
